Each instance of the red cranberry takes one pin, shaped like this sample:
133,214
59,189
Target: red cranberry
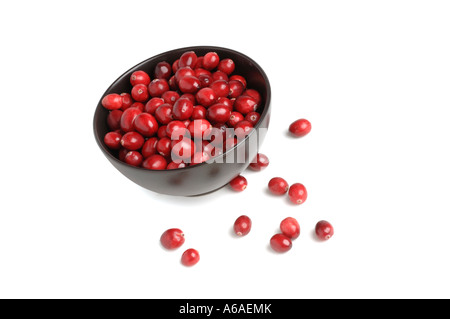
139,77
163,70
226,66
133,158
175,130
324,230
157,87
199,128
219,75
132,141
173,83
175,165
226,101
190,257
113,119
235,118
290,227
211,60
206,97
242,129
199,63
164,146
239,183
149,147
139,92
297,193
253,94
278,186
183,149
164,113
218,113
153,104
188,59
239,78
156,162
300,127
182,109
112,140
112,101
186,123
280,243
200,71
172,238
182,72
230,143
176,65
242,225
122,153
221,88
146,124
162,131
127,119
189,96
189,84
127,101
205,80
198,112
253,117
199,157
236,88
260,162
245,104
138,105
170,97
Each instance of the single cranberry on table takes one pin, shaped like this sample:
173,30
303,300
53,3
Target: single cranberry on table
278,186
245,104
149,147
146,124
280,243
227,66
152,104
112,140
155,162
190,257
297,193
182,109
139,92
290,227
127,119
300,127
211,60
242,225
324,230
172,238
253,117
139,77
260,162
239,183
133,158
157,87
113,119
132,141
163,70
112,101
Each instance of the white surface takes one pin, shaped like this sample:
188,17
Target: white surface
373,77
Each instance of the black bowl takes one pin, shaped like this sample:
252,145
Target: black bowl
205,177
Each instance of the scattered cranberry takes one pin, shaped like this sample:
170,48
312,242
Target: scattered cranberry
190,257
139,92
146,124
155,162
242,225
280,243
290,227
324,230
112,140
132,141
260,162
278,186
133,158
300,127
139,77
239,183
211,60
112,101
297,193
172,238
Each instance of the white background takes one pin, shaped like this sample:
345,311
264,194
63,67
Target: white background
373,77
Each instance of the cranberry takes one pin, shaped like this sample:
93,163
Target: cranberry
164,113
230,143
199,128
297,193
112,140
173,83
149,147
139,77
112,101
127,101
210,60
200,71
153,104
127,119
133,158
163,70
175,165
186,122
139,92
242,129
182,72
199,63
183,149
146,124
132,141
170,97
239,183
324,230
188,59
245,104
189,84
280,243
182,109
260,162
138,105
235,118
236,88
239,78
253,117
278,186
300,127
190,257
176,65
198,112
113,119
189,96
253,94
164,146
219,75
122,153
157,87
218,113
226,101
221,88
290,227
199,157
242,225
172,238
206,97
156,162
226,66
162,131
175,130
205,80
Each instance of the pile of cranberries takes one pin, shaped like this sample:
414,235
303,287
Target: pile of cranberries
193,98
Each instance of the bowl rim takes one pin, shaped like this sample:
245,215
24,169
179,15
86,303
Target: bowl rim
190,48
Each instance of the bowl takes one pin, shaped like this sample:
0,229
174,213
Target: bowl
205,177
